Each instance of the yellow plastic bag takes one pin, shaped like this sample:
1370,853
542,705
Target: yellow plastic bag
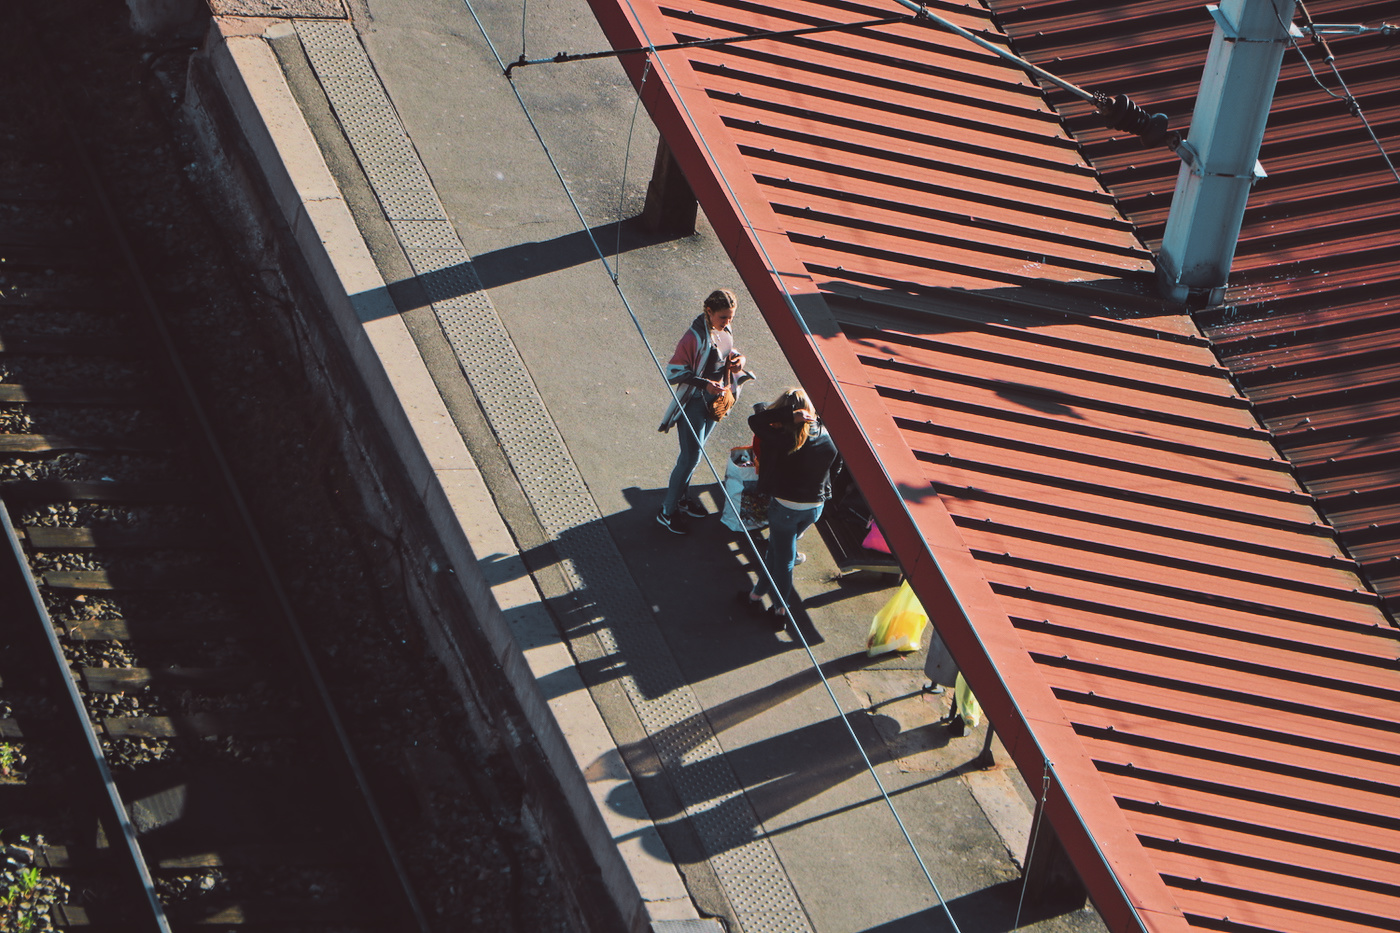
899,625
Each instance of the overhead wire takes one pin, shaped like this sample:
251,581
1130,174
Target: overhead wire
626,159
1030,847
920,12
840,389
1330,59
797,316
656,362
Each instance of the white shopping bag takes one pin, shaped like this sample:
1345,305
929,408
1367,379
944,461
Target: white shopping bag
740,479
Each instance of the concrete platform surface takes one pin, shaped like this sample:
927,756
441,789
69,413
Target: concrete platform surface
719,770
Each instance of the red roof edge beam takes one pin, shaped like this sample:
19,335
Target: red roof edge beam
1125,887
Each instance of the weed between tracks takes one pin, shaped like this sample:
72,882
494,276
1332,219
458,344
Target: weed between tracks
26,893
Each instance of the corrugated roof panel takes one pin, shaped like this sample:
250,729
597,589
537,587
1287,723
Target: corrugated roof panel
1126,570
1312,318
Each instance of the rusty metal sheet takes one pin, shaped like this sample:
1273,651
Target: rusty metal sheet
1236,909
1223,708
1270,687
1139,790
1180,737
1285,851
1327,659
1315,287
1093,514
1304,892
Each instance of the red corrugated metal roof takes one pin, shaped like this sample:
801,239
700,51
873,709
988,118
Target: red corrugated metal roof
1311,324
1128,574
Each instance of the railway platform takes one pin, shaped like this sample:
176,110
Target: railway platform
505,330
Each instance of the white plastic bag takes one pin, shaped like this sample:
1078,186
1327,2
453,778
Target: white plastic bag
740,480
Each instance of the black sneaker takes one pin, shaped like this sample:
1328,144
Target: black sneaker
691,508
671,523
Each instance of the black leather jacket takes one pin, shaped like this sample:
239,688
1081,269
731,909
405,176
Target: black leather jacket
802,475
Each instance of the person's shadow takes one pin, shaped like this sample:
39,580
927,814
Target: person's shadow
776,774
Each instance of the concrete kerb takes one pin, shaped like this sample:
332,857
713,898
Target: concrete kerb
648,890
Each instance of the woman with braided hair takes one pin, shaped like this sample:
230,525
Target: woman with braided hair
704,365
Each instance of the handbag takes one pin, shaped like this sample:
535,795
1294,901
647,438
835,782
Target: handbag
721,404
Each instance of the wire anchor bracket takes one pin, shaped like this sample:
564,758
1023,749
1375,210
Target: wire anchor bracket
704,43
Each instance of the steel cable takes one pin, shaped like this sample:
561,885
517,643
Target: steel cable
792,622
1353,105
840,389
836,383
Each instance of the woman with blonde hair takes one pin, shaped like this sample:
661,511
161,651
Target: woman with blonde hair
795,455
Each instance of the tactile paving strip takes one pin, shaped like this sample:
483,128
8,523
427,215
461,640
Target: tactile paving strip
369,120
612,607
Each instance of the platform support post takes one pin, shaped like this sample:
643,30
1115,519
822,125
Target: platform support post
671,206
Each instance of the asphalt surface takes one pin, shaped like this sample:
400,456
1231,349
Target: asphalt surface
800,771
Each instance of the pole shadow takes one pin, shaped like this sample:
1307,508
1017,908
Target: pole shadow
506,266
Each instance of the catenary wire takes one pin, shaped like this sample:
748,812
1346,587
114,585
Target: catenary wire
845,719
836,383
627,158
1353,105
613,276
792,308
1030,849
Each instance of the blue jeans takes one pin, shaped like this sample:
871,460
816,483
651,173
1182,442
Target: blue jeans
785,526
695,409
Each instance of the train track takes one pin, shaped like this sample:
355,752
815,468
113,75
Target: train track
169,757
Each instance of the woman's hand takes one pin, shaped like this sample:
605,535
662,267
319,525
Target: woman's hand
803,414
714,387
736,361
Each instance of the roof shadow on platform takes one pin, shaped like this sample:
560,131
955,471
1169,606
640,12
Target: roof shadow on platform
529,260
508,265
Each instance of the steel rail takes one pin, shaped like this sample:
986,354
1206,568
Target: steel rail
16,579
234,501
